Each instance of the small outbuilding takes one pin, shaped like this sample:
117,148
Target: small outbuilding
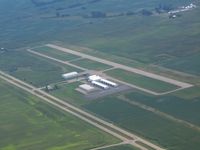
70,75
86,87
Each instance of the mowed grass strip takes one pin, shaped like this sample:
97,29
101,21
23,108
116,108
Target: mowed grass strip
90,64
55,53
121,147
141,81
169,134
33,69
28,123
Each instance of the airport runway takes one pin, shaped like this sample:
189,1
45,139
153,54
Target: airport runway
93,120
127,68
97,72
114,79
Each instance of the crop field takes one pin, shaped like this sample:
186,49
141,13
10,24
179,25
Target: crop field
27,123
183,108
169,134
188,94
127,36
141,81
123,147
89,64
55,53
33,69
188,64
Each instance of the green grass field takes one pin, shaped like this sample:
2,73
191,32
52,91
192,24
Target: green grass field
68,93
55,53
164,132
33,69
141,81
183,104
188,94
122,147
28,123
92,65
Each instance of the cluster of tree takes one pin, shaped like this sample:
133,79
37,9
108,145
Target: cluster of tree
58,14
162,8
100,14
146,12
49,88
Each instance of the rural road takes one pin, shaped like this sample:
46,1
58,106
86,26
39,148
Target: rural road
91,119
127,68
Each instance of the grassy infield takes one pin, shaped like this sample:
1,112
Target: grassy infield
141,81
85,63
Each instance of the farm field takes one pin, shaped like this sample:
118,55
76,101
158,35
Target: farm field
174,104
169,134
141,81
133,37
27,123
55,53
33,69
92,65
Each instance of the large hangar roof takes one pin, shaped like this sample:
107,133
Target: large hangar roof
94,78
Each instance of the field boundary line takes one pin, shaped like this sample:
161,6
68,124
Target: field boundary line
160,113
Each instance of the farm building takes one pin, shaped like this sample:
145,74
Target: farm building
70,75
107,82
101,80
94,78
100,85
86,87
